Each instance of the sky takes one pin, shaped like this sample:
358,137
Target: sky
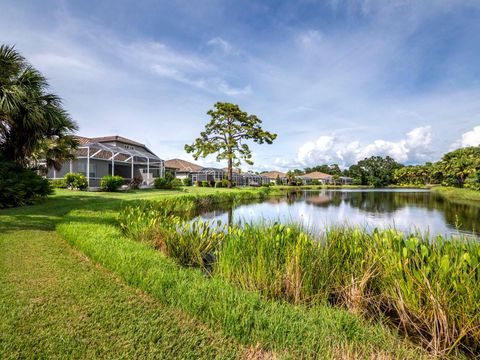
336,80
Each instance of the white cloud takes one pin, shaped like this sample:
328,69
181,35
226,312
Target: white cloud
223,45
328,149
470,138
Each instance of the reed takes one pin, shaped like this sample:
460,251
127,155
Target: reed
430,288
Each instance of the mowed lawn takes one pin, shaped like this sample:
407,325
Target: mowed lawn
54,303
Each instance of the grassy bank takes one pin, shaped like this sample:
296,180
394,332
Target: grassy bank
429,289
56,303
458,194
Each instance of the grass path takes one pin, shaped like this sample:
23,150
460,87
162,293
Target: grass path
54,303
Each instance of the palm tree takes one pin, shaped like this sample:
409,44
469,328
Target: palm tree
30,116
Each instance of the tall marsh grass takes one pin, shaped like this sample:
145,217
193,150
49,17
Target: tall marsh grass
429,288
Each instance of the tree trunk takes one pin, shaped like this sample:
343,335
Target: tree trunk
230,172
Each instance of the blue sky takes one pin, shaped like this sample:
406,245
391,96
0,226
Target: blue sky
337,80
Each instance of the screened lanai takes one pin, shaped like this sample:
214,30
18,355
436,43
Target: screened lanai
109,159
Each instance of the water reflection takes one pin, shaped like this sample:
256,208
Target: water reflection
406,209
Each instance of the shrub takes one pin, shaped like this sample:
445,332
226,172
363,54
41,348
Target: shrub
111,183
176,183
198,183
219,184
76,181
473,181
187,181
316,182
20,186
205,183
162,183
135,182
58,184
211,183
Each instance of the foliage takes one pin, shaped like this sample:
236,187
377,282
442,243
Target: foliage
374,171
226,134
162,183
187,181
205,183
332,169
278,181
111,183
239,315
20,186
316,182
76,181
176,183
460,164
32,121
58,184
135,182
428,288
473,181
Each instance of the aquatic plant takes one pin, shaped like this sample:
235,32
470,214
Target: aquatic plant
429,288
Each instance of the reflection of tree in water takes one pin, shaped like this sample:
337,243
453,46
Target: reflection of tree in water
465,216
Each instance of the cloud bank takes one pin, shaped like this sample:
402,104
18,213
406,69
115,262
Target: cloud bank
414,147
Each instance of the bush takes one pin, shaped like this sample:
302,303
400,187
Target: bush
187,181
76,181
135,182
316,182
162,183
58,184
205,183
473,181
111,183
176,183
20,186
219,184
198,183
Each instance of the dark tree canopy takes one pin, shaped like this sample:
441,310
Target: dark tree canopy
31,118
226,135
375,171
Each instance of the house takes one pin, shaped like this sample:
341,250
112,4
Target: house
274,175
326,179
182,168
197,173
317,175
112,155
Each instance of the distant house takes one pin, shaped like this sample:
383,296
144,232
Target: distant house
274,175
182,168
198,173
326,179
112,155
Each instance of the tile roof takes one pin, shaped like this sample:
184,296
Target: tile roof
316,175
273,174
182,165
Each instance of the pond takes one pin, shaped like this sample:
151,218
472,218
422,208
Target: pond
405,209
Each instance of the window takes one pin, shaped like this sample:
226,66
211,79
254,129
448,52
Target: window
82,169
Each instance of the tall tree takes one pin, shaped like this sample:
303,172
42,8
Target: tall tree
375,170
225,135
30,116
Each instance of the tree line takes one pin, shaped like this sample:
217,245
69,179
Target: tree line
459,168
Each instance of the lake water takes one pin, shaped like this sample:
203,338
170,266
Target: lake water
404,209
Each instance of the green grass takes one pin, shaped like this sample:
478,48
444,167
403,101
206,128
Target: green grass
132,301
55,303
457,194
